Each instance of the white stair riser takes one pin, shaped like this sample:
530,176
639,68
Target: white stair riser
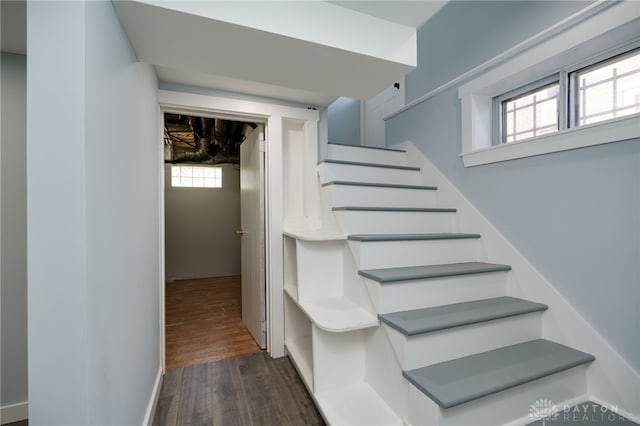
371,196
389,254
370,222
366,155
502,407
416,294
438,346
331,171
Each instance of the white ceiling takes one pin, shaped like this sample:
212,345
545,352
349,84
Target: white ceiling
410,13
309,72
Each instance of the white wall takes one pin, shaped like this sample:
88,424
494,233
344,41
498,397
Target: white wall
199,228
13,369
93,219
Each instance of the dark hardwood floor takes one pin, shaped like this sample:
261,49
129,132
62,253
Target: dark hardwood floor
247,390
204,322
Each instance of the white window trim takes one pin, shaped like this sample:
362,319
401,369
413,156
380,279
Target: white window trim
537,60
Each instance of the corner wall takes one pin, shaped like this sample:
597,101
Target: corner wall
575,215
200,226
13,369
93,152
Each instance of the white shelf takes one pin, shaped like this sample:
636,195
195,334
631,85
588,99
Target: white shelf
338,315
356,404
300,353
292,291
335,315
314,235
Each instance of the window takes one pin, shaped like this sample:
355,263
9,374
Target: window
196,176
598,92
530,114
592,56
607,89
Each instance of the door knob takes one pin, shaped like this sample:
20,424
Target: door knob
240,232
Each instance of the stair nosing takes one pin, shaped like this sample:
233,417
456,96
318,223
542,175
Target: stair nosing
380,185
533,307
585,358
485,268
380,148
368,238
396,209
363,164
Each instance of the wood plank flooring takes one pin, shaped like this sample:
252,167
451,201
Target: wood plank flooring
204,322
247,390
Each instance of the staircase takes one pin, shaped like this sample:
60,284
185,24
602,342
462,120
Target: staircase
394,315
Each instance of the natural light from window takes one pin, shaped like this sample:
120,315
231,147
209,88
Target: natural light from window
196,177
608,90
531,114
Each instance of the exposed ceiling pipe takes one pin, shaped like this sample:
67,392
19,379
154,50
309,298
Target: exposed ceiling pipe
204,149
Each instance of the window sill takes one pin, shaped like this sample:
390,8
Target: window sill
616,130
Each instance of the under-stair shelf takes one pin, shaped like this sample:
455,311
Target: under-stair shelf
336,315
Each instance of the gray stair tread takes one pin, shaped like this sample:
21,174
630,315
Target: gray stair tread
408,273
410,237
380,148
357,163
436,318
395,209
379,185
586,413
461,380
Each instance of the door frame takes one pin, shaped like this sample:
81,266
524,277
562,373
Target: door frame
272,115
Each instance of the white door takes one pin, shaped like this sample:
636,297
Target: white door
252,234
384,103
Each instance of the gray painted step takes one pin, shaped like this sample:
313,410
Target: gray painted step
357,163
379,185
409,237
368,147
395,209
390,275
437,318
586,413
461,380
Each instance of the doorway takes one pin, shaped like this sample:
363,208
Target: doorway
214,290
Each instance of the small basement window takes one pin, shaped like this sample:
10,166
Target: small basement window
530,114
196,177
606,90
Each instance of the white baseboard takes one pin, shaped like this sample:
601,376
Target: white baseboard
153,401
610,378
14,412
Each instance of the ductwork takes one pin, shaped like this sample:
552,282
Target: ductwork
211,141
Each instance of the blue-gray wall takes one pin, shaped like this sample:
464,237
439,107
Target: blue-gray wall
93,220
575,214
344,121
